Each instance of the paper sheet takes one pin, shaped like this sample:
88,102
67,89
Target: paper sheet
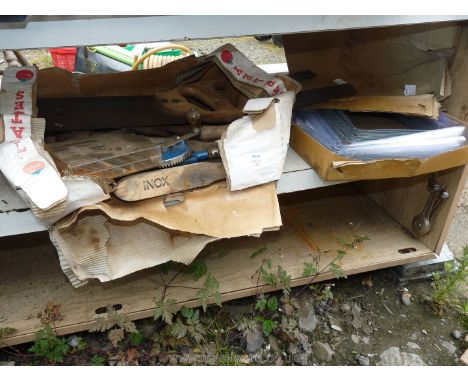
254,147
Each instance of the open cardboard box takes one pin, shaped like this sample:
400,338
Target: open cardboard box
331,166
366,59
314,221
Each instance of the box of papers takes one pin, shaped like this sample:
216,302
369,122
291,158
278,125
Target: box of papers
358,146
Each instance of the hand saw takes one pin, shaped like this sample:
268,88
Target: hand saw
161,111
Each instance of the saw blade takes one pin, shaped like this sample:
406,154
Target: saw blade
175,161
173,155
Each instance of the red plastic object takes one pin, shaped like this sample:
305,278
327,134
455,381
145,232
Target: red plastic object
64,58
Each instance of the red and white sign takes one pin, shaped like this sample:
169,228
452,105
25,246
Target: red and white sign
247,72
16,102
20,160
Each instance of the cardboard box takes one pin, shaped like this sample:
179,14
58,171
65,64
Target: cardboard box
378,62
331,166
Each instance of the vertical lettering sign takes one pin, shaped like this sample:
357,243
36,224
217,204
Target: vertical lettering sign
20,160
17,103
16,110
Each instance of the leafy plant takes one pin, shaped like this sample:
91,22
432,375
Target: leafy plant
266,273
198,268
462,310
268,307
164,340
258,252
117,324
336,270
323,292
48,345
189,325
280,278
209,291
165,310
268,325
284,280
80,346
135,338
270,304
97,360
446,286
313,269
310,269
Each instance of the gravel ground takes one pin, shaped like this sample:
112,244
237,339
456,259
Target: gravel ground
260,52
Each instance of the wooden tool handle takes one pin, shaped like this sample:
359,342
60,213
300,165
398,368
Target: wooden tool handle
168,181
212,132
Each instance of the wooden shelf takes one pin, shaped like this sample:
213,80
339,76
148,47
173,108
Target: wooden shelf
313,220
15,217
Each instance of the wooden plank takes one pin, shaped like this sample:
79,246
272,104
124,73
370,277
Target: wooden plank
421,105
404,198
166,181
451,209
29,278
17,222
297,176
9,199
302,180
376,61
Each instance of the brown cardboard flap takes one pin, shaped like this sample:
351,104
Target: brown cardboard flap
264,121
114,238
55,82
212,211
331,166
424,105
98,247
376,61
